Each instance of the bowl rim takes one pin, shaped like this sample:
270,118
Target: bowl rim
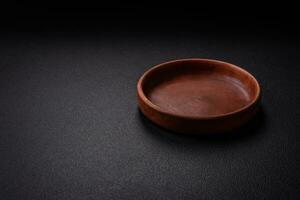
144,98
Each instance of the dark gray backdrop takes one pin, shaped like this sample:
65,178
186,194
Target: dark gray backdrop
70,127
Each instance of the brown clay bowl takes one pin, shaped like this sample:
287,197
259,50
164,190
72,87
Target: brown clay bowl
198,96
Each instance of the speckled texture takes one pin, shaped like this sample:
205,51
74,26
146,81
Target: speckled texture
70,127
200,95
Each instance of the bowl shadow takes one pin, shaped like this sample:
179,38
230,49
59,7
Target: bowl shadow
249,130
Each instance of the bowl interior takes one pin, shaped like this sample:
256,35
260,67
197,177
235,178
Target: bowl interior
199,88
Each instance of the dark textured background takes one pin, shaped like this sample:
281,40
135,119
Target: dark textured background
70,127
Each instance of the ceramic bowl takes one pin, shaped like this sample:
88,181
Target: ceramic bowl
198,96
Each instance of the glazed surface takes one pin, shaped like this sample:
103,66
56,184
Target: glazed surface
200,94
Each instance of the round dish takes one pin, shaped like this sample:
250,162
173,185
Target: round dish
198,96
